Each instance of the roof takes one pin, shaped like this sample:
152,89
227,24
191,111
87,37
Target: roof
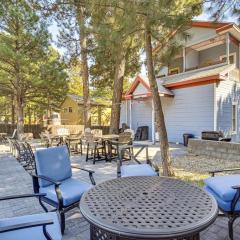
217,72
79,100
145,82
76,98
210,24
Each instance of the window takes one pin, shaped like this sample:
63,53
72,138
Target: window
65,110
234,117
70,109
174,71
232,58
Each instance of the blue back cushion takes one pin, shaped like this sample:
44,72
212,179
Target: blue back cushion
54,163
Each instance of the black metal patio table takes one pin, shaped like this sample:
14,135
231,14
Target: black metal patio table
147,208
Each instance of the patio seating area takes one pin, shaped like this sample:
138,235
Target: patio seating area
15,180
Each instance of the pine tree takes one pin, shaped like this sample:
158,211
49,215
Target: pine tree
24,38
117,49
162,20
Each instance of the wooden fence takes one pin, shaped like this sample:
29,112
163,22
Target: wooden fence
37,129
9,128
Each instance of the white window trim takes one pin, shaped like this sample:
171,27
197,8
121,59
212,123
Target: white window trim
236,117
231,54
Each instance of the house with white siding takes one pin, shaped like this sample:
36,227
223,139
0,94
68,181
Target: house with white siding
199,89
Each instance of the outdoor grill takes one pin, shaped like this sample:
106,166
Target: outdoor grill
214,136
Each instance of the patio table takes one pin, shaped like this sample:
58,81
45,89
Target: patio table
147,208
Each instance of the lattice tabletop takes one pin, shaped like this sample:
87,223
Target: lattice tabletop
149,207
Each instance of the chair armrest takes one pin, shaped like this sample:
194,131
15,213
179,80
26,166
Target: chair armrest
86,170
56,183
153,164
25,225
22,196
113,142
223,170
90,172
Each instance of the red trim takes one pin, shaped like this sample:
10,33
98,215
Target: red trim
194,82
223,28
209,24
135,83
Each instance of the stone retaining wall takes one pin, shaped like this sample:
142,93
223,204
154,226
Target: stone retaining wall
215,149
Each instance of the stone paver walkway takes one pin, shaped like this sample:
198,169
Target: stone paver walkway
15,180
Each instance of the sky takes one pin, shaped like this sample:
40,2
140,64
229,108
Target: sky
53,29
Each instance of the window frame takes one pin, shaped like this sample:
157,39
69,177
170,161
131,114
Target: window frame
231,54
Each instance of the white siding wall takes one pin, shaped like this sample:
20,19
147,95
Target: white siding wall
198,34
190,111
227,92
142,115
140,89
124,116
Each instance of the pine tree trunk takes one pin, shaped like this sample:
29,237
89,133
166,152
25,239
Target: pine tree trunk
13,110
29,116
19,113
84,64
161,127
117,93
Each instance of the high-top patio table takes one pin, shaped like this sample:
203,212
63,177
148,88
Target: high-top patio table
147,208
106,139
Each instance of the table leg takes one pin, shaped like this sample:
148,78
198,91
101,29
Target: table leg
196,237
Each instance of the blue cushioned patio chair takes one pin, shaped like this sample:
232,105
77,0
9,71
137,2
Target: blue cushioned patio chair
54,178
226,191
37,226
138,169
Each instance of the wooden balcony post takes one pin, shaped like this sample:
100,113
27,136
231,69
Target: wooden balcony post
184,59
227,48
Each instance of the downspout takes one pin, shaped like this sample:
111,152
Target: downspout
215,107
130,113
126,111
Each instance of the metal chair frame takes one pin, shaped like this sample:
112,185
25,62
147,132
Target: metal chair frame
57,206
15,227
233,214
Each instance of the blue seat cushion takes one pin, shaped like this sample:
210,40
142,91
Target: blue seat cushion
71,190
222,186
35,233
137,170
54,163
223,205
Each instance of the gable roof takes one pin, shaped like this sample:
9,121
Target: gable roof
145,82
76,98
138,80
214,72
